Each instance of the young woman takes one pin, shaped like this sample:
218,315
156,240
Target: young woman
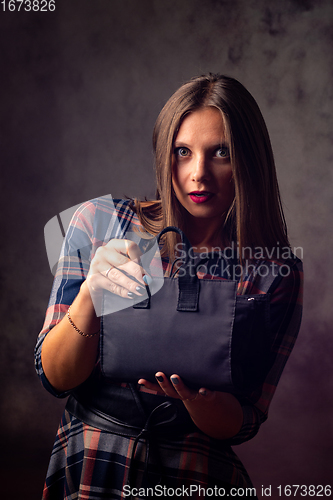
216,181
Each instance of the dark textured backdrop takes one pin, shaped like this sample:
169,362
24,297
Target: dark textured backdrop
80,90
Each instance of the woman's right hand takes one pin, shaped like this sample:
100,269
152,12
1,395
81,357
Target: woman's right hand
116,268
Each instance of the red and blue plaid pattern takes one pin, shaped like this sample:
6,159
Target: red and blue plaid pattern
88,463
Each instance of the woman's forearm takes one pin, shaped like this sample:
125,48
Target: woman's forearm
68,358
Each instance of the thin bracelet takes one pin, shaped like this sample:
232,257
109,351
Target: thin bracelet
77,329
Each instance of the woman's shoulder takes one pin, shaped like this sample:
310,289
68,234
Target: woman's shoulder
95,222
273,275
281,267
104,205
101,215
287,281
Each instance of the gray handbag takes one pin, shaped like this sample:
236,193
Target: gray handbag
199,329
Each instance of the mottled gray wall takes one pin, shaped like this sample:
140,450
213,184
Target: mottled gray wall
80,90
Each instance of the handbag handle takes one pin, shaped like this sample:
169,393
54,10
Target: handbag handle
184,238
188,284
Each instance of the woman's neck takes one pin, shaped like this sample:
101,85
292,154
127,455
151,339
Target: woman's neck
204,234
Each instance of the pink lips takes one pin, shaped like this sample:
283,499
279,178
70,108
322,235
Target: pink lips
200,196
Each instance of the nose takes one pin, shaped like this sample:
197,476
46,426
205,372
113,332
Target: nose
200,171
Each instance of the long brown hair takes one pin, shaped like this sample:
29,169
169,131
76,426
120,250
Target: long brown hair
256,218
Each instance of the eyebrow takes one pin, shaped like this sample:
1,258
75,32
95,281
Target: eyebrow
178,144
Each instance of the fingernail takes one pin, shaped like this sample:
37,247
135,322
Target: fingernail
159,378
147,279
140,289
130,294
203,392
174,380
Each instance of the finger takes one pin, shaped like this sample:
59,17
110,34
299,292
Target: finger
151,386
127,248
114,254
98,282
133,265
166,385
207,394
119,279
134,270
133,250
182,390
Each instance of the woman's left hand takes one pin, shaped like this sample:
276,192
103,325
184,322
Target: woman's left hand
217,414
175,388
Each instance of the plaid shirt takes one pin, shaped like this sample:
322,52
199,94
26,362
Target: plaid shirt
95,223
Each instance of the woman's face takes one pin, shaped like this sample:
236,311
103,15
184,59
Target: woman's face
201,170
